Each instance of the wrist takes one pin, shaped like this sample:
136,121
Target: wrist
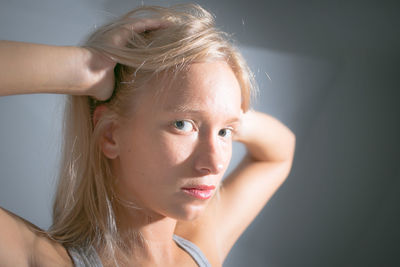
87,71
244,131
265,137
70,71
98,74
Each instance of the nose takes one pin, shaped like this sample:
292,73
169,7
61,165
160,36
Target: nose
210,156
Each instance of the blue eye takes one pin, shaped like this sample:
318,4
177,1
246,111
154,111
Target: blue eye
183,125
225,132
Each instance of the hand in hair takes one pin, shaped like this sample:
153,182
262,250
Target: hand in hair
101,65
27,68
121,35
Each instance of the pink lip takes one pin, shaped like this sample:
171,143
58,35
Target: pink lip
199,191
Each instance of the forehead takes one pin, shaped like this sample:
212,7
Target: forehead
209,86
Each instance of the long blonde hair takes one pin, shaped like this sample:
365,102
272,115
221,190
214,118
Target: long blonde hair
84,206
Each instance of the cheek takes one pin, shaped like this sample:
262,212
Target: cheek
175,149
137,154
227,155
175,157
155,157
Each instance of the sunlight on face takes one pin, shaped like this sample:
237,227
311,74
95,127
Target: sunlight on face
181,139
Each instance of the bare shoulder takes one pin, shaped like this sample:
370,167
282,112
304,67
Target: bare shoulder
24,244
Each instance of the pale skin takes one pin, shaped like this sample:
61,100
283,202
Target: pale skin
171,155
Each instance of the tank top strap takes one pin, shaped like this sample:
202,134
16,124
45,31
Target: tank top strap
193,250
85,257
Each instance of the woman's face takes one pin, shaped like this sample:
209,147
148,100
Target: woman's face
179,140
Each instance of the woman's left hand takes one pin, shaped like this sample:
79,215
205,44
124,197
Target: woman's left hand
265,137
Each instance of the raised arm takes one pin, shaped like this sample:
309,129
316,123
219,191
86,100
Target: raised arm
270,149
27,68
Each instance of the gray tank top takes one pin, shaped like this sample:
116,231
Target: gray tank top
89,258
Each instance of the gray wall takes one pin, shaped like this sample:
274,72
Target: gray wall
333,79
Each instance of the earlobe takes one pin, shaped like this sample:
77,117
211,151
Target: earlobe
108,144
106,126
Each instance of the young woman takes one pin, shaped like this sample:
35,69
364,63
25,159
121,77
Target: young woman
157,97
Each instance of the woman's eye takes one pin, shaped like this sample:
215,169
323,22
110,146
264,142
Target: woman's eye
225,132
183,125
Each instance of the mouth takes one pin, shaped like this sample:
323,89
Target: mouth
202,192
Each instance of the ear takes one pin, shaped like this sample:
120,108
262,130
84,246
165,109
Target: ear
107,138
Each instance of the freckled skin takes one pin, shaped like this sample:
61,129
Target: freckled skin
156,159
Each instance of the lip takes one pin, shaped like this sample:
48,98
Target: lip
199,191
200,187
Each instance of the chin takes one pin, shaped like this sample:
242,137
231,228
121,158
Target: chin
189,213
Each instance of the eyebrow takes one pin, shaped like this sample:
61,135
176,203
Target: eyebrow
190,109
182,108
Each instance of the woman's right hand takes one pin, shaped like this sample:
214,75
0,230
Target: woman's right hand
27,68
100,75
101,66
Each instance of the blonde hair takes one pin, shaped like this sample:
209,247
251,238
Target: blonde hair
84,206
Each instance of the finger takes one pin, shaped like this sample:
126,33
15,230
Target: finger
148,25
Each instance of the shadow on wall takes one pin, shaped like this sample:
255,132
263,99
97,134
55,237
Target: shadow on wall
340,203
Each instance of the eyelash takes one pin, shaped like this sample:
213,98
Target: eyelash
226,130
188,121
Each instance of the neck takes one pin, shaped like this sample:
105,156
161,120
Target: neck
148,234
